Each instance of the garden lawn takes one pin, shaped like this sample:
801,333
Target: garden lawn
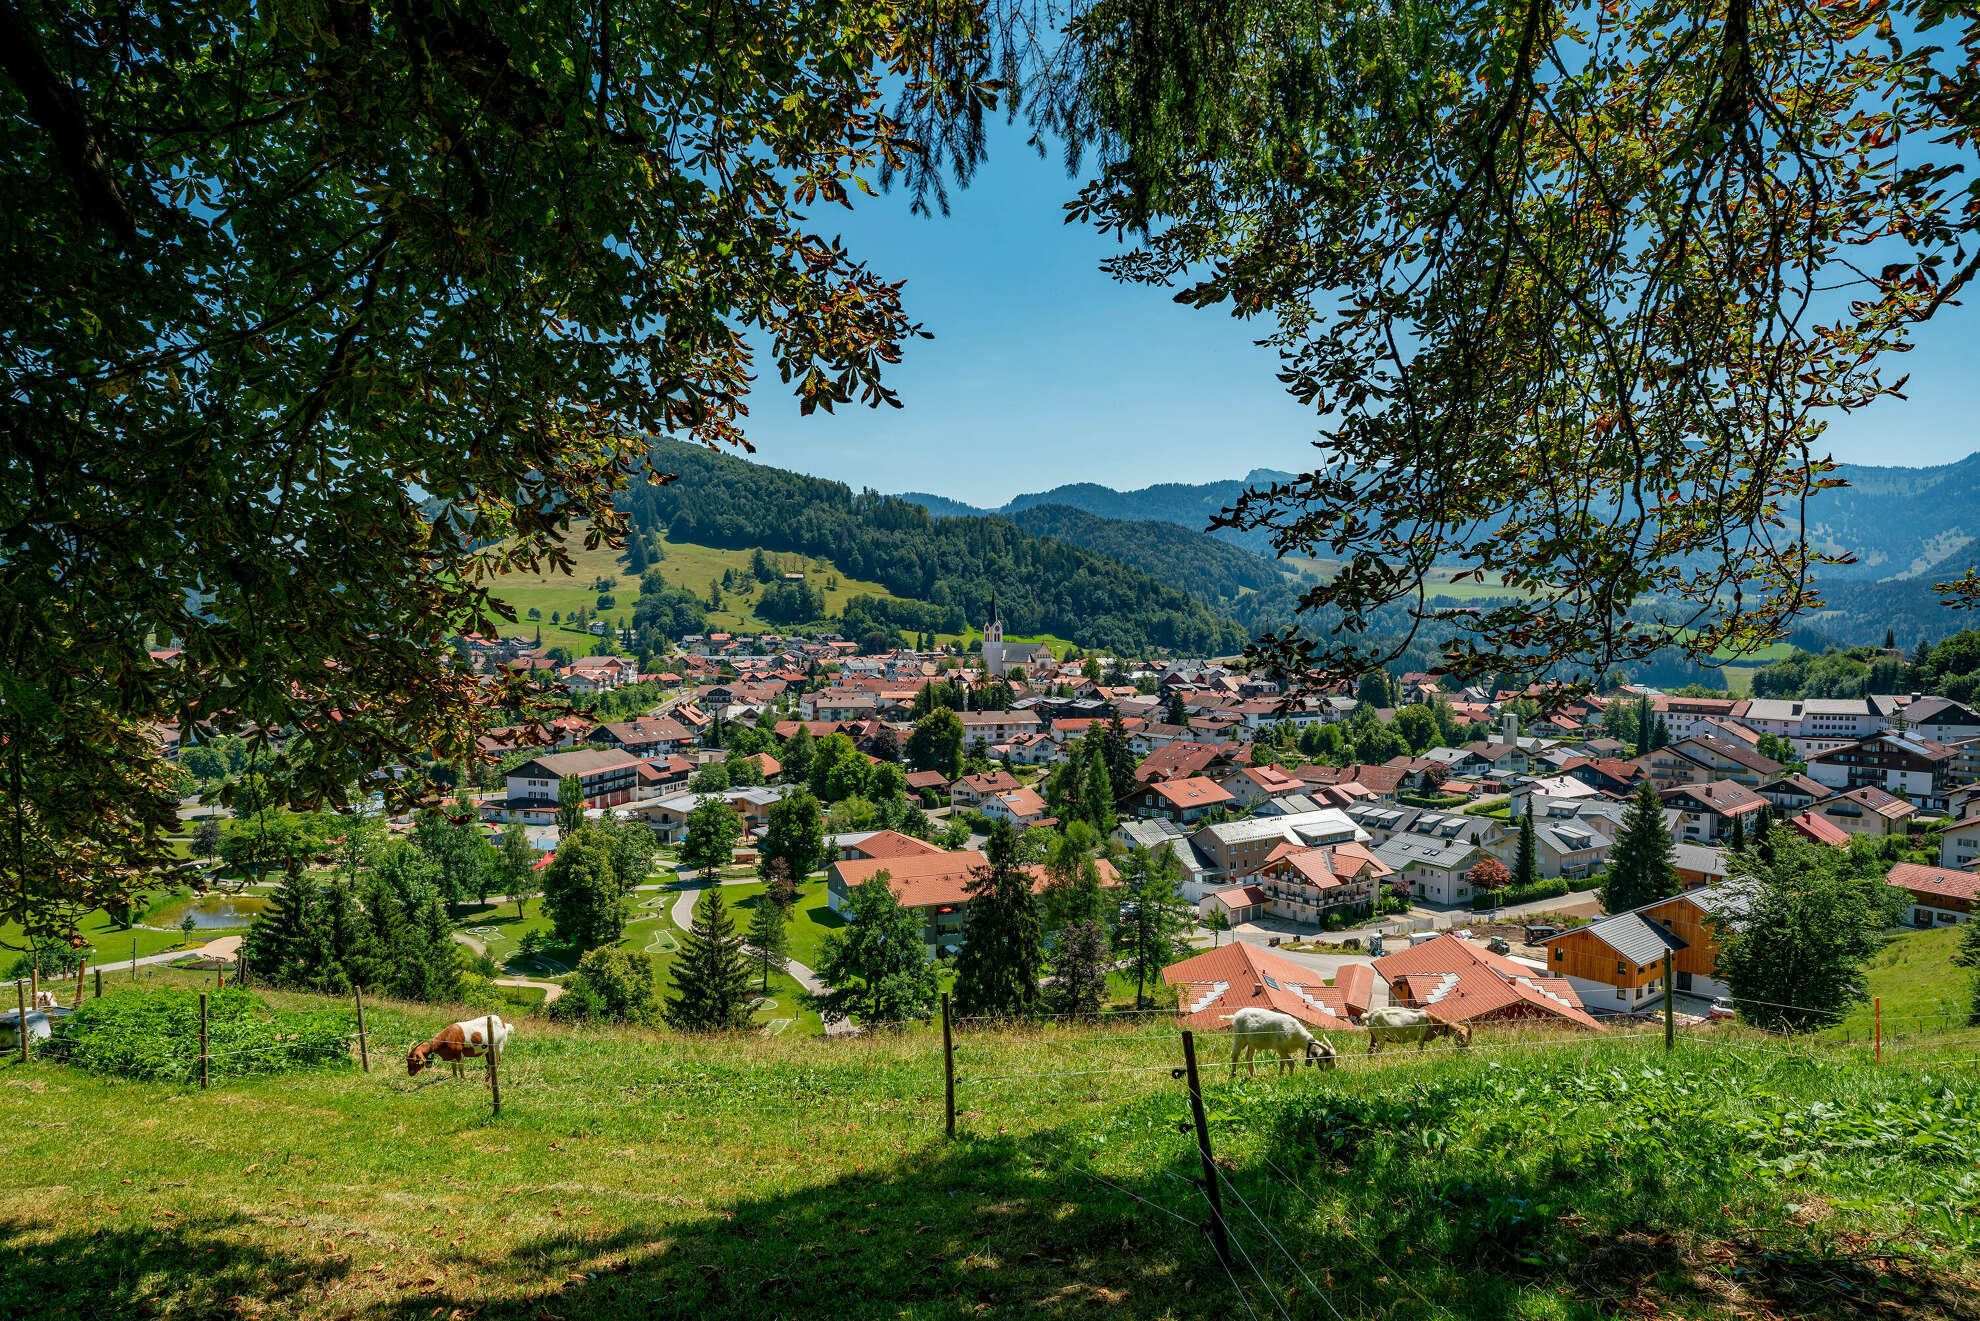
109,939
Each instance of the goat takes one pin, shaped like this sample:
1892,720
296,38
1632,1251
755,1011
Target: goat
1419,1025
1253,1030
45,1000
465,1040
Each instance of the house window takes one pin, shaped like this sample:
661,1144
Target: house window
1684,981
1622,969
1622,993
1560,954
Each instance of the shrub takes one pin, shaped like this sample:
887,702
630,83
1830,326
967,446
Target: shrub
1522,894
611,985
55,961
154,1035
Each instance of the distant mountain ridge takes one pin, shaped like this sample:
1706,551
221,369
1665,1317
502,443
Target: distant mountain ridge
1899,523
1186,504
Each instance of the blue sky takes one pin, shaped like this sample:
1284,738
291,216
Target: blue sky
1044,371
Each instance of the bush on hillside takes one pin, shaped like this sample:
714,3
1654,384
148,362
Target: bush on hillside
154,1036
1521,894
611,986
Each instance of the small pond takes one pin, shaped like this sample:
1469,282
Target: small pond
212,912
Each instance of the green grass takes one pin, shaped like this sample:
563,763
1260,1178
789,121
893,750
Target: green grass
649,930
109,939
1922,991
636,1174
687,565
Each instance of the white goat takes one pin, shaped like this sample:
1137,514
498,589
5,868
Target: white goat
1405,1025
1253,1030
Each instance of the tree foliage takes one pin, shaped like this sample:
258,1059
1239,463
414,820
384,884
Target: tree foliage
1641,861
711,974
1003,952
877,966
1794,933
315,320
1574,291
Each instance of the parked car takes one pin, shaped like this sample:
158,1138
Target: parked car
1722,1008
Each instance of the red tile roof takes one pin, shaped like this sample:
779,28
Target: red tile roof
1196,791
1820,830
1936,882
1217,983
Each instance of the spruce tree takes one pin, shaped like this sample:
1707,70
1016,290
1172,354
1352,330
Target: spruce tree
343,929
1154,917
1643,720
285,945
1737,839
1078,985
1099,790
711,975
769,938
1641,866
570,805
377,952
1526,862
434,955
1002,954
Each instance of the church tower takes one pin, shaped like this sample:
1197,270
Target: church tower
993,643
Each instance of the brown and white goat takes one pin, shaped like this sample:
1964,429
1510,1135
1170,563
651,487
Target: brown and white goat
465,1040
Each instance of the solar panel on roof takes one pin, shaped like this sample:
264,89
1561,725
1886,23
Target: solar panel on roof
1272,981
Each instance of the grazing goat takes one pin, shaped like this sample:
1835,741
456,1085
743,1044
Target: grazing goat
1419,1025
465,1040
45,1000
1253,1030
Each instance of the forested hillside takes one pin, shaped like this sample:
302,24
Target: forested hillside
950,568
1206,567
1186,504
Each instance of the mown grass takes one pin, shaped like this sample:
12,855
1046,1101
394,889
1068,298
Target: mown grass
636,1174
687,565
109,939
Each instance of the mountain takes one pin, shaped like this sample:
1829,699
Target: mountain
1188,505
1900,523
950,572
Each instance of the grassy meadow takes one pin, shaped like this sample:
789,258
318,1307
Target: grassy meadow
636,1174
687,565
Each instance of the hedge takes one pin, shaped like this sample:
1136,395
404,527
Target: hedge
1517,894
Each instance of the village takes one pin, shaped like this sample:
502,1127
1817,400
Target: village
1463,875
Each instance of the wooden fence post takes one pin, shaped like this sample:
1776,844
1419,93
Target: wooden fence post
1877,1027
99,981
1219,1237
364,1048
82,966
20,993
1670,1006
133,958
219,976
494,1078
203,1055
948,1068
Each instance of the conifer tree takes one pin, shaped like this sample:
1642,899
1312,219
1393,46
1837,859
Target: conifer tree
377,954
1526,862
1660,735
285,945
570,805
1078,985
1737,840
1002,954
1099,789
1643,722
1641,862
1154,916
343,929
711,975
436,961
769,938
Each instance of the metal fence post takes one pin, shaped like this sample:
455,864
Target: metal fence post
1219,1236
204,1056
364,1049
948,1068
494,1078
